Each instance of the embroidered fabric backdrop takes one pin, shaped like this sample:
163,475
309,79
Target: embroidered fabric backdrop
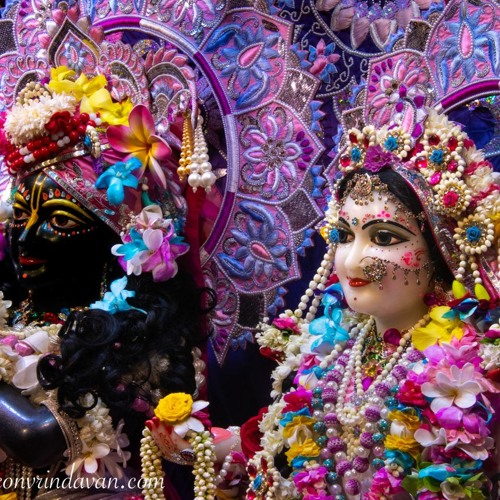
275,77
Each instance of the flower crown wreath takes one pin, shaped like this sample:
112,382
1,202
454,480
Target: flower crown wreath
457,186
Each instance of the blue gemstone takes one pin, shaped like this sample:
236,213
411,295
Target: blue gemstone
322,441
378,463
328,463
355,154
332,477
318,391
378,437
317,403
257,482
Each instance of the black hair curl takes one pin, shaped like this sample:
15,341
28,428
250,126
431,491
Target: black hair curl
119,358
399,188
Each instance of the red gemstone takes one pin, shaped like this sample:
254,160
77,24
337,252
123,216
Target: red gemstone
452,166
421,162
435,178
81,129
345,161
434,140
452,143
353,138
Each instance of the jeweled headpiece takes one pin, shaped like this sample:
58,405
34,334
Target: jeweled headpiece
401,115
88,121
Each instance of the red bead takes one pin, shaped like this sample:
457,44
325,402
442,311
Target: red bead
452,143
84,117
353,138
434,140
91,123
53,147
74,123
421,163
74,136
452,166
37,154
81,129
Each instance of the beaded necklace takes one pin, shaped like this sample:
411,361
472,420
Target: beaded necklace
350,427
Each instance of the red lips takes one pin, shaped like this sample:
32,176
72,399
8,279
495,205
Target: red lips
358,282
31,261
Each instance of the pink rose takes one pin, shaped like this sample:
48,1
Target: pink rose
450,199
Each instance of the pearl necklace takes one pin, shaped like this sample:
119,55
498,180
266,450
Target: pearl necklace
352,430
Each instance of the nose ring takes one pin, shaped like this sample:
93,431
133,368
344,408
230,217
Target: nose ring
375,271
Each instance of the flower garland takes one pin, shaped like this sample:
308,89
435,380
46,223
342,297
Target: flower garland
420,427
178,423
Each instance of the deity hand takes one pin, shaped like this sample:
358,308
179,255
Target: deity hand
173,447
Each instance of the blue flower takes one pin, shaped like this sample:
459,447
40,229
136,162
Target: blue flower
473,233
437,156
116,300
391,143
131,248
334,236
355,154
440,472
116,177
290,415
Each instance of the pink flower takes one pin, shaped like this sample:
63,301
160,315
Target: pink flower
459,388
139,140
162,252
450,418
298,399
450,199
384,485
311,481
377,159
286,324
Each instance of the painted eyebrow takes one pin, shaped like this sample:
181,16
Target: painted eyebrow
383,221
341,219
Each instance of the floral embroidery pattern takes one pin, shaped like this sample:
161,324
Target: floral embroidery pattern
249,57
276,156
397,92
259,247
467,48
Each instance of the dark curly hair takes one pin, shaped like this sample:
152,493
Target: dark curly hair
130,356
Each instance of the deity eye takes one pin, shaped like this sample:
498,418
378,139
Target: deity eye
20,215
385,238
64,221
344,235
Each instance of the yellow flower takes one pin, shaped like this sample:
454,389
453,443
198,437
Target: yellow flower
438,329
408,418
113,113
308,449
63,80
406,444
174,408
299,427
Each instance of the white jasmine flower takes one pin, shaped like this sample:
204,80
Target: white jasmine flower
4,305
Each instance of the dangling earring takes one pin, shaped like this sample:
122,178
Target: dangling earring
201,168
184,168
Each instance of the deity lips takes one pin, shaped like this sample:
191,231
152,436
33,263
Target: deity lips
31,261
358,282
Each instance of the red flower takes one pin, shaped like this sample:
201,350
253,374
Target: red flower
450,199
251,435
410,393
277,356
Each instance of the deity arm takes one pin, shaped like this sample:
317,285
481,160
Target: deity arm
29,433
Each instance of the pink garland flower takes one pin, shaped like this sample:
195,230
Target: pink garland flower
311,482
139,140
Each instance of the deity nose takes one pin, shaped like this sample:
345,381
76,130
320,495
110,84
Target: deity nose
353,261
29,231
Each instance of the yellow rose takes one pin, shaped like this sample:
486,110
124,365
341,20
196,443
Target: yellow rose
301,425
406,444
408,418
308,449
174,408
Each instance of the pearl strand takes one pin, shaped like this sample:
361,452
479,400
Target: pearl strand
204,469
318,282
152,472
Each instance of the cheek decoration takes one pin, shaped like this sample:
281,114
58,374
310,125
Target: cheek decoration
411,259
376,271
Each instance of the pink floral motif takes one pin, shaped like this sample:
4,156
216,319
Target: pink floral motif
397,91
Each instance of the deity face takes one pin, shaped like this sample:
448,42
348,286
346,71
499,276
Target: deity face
55,242
382,261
